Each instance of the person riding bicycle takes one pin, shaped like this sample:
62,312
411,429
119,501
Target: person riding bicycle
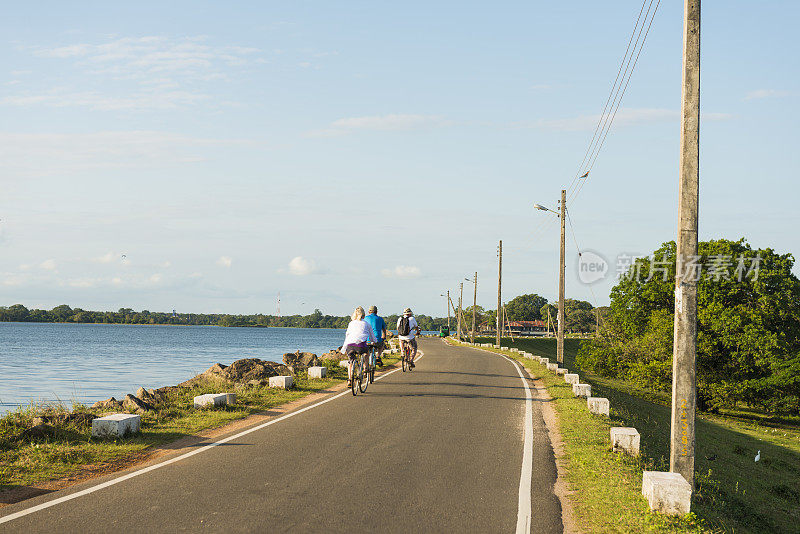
407,330
379,329
358,334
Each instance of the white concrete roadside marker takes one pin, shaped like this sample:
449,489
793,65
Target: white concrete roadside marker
598,405
571,378
582,390
544,361
116,425
283,382
668,493
561,371
317,372
211,400
230,399
552,367
625,439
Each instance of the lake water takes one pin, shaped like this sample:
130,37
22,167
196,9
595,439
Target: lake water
90,362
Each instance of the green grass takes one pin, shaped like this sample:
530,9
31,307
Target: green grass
70,448
734,493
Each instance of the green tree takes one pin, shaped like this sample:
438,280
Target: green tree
525,307
748,332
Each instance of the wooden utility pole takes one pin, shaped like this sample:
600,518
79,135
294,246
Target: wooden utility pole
448,312
474,304
460,296
499,286
561,273
681,457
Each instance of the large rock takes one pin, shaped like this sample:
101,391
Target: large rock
134,403
298,361
163,394
146,396
110,404
335,355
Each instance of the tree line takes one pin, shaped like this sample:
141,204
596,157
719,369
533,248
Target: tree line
66,314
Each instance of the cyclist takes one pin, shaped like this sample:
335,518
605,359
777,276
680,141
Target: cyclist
409,336
358,334
379,329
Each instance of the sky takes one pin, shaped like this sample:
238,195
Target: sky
205,156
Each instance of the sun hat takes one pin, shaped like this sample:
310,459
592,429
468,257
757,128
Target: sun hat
407,311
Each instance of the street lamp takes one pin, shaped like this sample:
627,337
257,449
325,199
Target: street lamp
561,272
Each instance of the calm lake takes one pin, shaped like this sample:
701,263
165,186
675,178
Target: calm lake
90,362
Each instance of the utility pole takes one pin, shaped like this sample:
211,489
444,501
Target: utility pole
460,296
474,304
499,286
682,436
561,273
448,312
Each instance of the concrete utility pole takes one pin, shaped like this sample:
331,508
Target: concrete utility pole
460,296
561,273
499,286
681,457
474,304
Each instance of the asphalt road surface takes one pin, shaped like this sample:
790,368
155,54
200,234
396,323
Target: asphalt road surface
437,449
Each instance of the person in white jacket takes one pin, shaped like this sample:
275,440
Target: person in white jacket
359,332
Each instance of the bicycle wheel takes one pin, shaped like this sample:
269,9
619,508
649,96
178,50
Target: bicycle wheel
372,365
403,360
364,374
354,380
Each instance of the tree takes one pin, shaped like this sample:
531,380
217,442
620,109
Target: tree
525,307
748,332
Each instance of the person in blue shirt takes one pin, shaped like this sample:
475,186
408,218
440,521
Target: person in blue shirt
379,329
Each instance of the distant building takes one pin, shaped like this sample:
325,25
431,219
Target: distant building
517,328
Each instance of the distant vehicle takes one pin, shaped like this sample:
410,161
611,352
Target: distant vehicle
444,331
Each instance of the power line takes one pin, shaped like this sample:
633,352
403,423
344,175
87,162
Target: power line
621,94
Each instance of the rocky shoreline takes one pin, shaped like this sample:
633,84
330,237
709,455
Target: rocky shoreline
239,375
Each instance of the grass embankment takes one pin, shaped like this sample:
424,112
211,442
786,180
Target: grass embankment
733,494
68,449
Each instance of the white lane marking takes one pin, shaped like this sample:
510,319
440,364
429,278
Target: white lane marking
524,500
87,491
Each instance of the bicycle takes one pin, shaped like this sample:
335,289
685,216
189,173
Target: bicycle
371,363
405,357
360,375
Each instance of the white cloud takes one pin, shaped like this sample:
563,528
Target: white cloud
299,266
48,265
624,117
383,123
402,271
155,278
758,94
105,258
225,261
160,72
50,153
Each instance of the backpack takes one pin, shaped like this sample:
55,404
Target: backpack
404,328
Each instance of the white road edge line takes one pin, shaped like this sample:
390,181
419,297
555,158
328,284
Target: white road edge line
524,506
112,482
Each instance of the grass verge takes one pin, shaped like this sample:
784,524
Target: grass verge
733,494
67,448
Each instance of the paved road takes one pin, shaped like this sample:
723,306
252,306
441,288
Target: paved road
438,449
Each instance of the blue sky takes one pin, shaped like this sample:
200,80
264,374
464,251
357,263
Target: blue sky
368,152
